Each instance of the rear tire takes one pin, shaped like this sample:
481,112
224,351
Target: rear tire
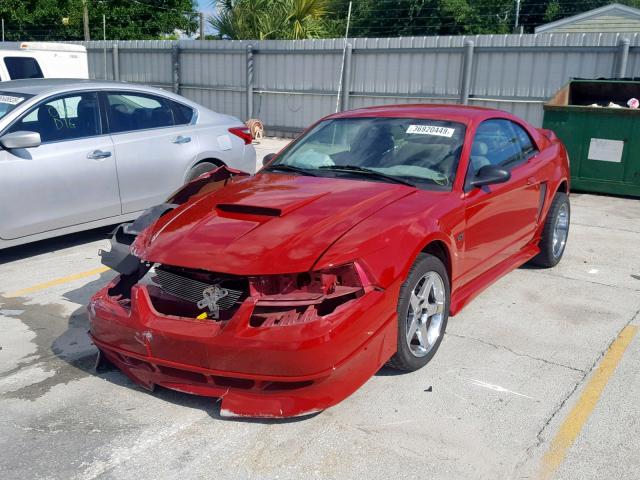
555,232
199,169
427,290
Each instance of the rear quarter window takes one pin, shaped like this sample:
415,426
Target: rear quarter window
22,67
183,115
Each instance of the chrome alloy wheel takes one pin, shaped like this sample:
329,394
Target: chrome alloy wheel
426,314
560,231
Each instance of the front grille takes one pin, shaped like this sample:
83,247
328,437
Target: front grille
192,290
188,287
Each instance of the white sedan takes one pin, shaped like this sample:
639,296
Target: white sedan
80,154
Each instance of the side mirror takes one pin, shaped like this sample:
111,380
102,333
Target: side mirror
489,175
20,139
267,158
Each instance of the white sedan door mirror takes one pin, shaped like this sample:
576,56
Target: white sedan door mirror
21,139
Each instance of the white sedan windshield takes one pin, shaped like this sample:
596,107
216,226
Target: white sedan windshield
9,101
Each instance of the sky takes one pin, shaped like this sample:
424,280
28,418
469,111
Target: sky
206,7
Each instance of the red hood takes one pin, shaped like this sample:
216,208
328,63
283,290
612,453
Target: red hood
265,224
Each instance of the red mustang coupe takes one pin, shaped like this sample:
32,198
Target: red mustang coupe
283,292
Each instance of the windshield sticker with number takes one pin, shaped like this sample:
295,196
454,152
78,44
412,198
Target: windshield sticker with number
431,130
10,100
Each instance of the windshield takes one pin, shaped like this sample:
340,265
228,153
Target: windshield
10,100
421,151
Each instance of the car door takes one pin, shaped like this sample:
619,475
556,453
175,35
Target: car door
500,218
69,179
153,150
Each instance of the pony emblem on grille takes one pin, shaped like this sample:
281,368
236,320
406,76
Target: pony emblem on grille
210,298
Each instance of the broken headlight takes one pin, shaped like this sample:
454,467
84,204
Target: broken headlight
291,299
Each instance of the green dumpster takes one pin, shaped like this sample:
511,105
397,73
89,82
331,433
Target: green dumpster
601,133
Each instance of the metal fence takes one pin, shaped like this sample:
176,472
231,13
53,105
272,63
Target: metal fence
290,84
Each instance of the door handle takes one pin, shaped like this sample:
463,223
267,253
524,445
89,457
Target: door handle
532,181
98,154
180,139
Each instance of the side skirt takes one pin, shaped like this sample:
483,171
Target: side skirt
472,289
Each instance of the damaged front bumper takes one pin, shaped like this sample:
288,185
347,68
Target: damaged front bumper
276,371
285,346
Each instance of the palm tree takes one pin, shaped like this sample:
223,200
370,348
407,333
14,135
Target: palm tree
270,19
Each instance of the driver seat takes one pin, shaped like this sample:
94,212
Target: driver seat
49,123
369,147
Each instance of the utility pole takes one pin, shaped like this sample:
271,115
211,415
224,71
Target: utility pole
201,15
3,29
516,27
85,20
344,55
104,43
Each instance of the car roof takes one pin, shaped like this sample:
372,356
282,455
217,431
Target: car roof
37,86
455,113
42,46
53,86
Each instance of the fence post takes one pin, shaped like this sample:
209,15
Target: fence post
467,65
115,57
623,56
175,67
249,81
346,78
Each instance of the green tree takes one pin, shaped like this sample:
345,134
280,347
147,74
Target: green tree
125,19
391,18
271,19
377,18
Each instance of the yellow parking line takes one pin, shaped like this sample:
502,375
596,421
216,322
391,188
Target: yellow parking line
580,413
58,281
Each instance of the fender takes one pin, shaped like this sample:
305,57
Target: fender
409,223
450,250
206,155
120,258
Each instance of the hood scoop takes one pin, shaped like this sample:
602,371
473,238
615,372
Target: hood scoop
274,204
266,224
249,209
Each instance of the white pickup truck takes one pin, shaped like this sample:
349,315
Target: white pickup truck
42,60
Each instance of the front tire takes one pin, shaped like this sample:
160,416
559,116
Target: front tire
555,232
423,311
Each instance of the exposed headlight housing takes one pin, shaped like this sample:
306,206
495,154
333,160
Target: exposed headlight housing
303,297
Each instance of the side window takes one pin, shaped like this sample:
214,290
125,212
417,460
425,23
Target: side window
131,111
526,144
495,143
64,118
22,67
182,114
